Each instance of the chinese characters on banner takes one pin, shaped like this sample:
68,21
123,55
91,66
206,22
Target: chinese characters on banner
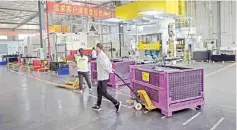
61,8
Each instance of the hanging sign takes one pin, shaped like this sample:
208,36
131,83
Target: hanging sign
62,8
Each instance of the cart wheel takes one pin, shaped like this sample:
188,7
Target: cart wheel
138,106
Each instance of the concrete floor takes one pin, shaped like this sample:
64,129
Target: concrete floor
29,101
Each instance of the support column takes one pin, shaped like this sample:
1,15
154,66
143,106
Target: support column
219,24
121,38
101,32
121,31
136,43
165,36
41,22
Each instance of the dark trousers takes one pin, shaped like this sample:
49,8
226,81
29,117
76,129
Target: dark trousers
87,78
102,91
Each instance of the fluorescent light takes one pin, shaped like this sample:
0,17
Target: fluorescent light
113,20
147,19
150,12
159,17
189,18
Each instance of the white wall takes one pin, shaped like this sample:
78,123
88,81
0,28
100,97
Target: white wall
209,29
228,20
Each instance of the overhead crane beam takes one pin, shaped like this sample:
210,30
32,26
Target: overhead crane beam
15,9
18,23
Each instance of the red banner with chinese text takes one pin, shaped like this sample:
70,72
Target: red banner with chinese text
62,8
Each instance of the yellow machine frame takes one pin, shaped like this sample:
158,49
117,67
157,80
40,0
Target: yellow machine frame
149,46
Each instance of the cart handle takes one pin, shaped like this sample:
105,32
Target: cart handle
123,81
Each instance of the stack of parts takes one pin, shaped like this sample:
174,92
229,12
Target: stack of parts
169,88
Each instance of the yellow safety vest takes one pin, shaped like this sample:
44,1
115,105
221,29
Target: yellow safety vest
82,63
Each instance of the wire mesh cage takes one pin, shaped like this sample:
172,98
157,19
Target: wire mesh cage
169,88
121,68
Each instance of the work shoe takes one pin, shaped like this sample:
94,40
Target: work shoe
97,108
118,106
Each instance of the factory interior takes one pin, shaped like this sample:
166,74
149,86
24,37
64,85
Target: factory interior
158,65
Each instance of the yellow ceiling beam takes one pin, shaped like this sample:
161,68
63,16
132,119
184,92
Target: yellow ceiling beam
131,10
127,11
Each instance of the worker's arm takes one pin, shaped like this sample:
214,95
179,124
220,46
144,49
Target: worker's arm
74,58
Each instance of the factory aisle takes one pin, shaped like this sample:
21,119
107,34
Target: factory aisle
26,103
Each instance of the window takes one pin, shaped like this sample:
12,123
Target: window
3,37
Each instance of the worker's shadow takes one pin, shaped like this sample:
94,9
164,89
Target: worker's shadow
83,100
117,122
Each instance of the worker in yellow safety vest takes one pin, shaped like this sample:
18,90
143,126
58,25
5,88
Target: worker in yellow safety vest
82,69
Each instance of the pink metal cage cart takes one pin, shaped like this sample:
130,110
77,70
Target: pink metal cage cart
170,90
120,66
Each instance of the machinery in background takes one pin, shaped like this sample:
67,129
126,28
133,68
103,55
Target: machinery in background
31,45
110,50
40,53
63,43
180,47
172,40
33,54
172,48
210,44
150,44
203,49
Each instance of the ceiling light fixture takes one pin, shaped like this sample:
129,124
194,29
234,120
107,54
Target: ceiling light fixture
151,12
116,20
147,19
158,17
